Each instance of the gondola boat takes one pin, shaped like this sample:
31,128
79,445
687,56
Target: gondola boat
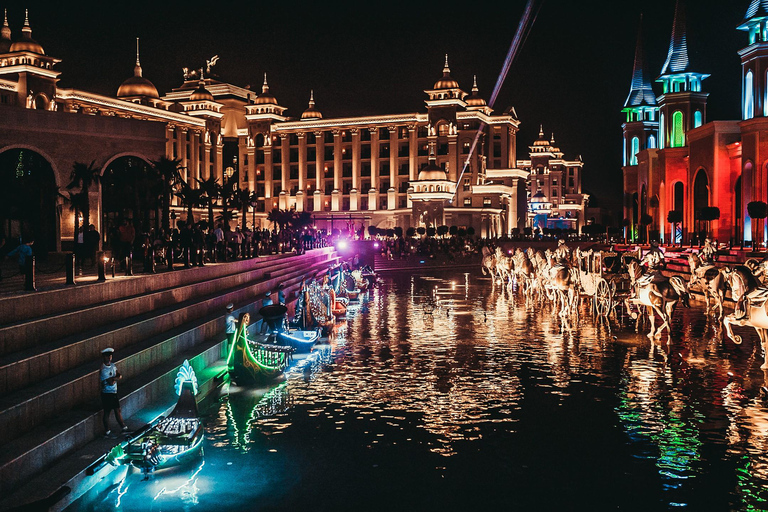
171,440
251,361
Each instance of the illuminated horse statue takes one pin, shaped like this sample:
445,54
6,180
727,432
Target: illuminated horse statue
751,307
710,279
489,263
525,273
563,283
660,294
504,266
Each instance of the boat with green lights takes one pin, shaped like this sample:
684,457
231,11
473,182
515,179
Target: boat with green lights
168,441
252,361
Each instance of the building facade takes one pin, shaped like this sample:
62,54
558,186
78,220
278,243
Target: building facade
684,177
452,164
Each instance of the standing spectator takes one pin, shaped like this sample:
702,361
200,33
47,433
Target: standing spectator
198,244
22,252
281,294
219,234
246,245
109,401
91,243
256,237
127,235
185,241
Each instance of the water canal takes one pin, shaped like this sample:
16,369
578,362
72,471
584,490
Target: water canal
486,402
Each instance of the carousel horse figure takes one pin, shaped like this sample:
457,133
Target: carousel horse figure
504,266
525,273
489,263
710,279
759,268
660,294
563,281
751,307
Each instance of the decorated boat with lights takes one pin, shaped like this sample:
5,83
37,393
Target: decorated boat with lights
275,317
168,441
251,361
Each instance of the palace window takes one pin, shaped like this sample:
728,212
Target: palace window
635,151
678,135
697,119
467,201
486,201
749,98
651,141
467,185
662,127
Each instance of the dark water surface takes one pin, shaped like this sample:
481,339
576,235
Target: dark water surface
487,402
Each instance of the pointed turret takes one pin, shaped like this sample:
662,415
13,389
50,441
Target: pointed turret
446,82
474,99
26,43
676,75
266,97
753,60
641,91
754,21
137,85
311,112
5,35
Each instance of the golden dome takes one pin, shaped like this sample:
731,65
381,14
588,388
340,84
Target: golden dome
474,100
26,43
446,82
432,172
201,94
312,112
137,85
265,98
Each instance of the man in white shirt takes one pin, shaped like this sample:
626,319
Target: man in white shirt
108,379
231,327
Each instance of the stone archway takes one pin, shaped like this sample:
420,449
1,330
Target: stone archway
28,198
130,189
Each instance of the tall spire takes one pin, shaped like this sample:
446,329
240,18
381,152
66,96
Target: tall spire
677,57
541,131
757,8
446,69
640,92
311,98
26,29
137,67
5,32
265,87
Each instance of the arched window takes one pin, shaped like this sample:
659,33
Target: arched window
625,153
661,131
651,142
749,98
635,151
678,136
697,119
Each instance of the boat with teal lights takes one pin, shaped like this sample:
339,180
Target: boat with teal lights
254,362
170,440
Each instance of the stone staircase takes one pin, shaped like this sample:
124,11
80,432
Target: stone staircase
49,388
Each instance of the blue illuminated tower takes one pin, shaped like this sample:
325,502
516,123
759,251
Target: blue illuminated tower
754,61
682,105
641,127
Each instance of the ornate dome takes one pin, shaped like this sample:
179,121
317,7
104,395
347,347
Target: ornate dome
265,98
311,112
432,172
446,82
542,141
26,43
137,85
201,94
474,99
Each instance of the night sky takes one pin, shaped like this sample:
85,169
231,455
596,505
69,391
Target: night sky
572,75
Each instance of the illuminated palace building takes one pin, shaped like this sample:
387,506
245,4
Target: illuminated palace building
405,170
706,173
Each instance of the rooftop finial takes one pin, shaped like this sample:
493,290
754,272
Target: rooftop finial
552,140
541,131
474,83
265,87
5,32
26,29
446,69
311,98
137,52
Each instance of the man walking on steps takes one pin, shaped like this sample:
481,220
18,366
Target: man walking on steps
109,377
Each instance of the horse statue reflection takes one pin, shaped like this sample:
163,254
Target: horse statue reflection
751,307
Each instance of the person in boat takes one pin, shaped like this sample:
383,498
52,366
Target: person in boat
109,401
267,300
281,294
708,253
299,319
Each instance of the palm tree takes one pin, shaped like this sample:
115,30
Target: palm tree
78,203
82,177
243,200
169,171
212,190
300,220
190,197
227,197
253,200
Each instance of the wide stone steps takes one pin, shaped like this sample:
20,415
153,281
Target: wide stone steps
80,317
36,363
137,351
54,416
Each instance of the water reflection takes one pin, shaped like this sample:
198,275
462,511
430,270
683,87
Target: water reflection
488,398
